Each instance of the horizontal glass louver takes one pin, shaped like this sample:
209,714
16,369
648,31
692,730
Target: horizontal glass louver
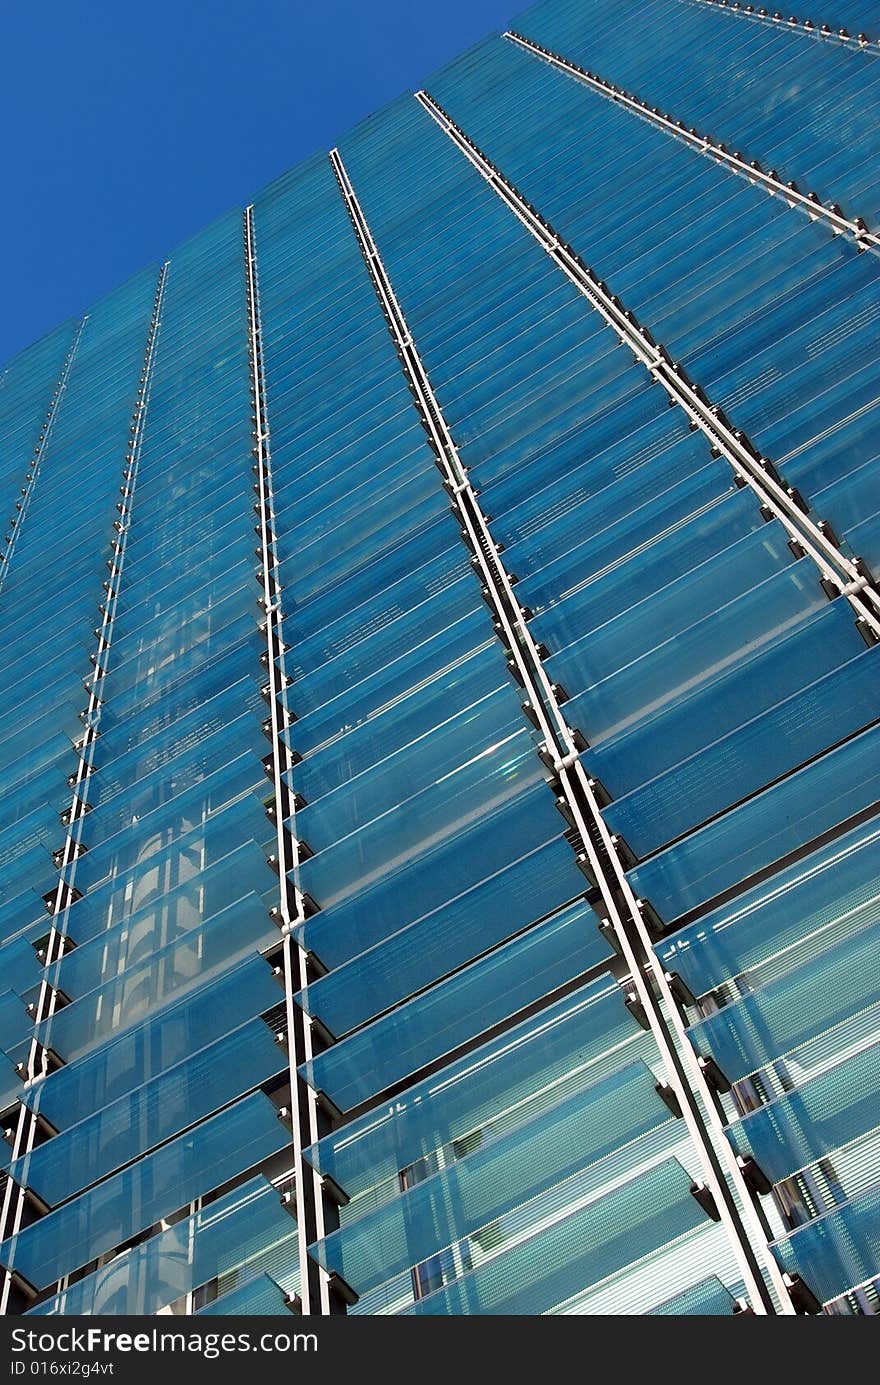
229,1232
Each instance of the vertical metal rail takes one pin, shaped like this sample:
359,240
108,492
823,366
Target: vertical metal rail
308,1188
810,27
34,464
844,576
562,752
772,181
37,1064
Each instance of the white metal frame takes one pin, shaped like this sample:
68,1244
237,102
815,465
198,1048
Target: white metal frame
307,1182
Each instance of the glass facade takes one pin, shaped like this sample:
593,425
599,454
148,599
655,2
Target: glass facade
440,705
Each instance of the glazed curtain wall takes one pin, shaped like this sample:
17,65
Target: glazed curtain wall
504,1118
160,1101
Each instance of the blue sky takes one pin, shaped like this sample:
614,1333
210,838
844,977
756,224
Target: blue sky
129,124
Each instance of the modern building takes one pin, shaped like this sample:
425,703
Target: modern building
441,792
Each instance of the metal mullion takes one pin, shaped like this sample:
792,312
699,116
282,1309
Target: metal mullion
34,464
749,467
703,144
808,27
308,1193
573,779
27,1125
